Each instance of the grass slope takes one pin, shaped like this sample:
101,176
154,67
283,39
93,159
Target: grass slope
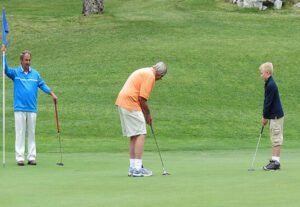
210,99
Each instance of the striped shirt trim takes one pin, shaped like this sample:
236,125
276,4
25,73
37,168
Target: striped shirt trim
22,79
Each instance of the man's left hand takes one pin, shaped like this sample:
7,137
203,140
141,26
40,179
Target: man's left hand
54,97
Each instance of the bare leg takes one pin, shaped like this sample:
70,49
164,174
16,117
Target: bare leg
276,151
139,146
136,146
131,147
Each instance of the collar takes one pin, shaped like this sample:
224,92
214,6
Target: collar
24,71
154,71
268,80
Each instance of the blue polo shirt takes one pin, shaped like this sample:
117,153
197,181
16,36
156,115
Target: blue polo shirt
26,88
272,103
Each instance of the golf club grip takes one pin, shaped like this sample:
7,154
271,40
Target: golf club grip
151,129
56,116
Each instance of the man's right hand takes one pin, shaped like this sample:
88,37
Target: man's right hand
145,109
149,119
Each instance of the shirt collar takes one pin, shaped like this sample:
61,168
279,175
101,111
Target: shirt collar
268,80
23,69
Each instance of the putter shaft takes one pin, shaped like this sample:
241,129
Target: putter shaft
252,165
162,163
58,134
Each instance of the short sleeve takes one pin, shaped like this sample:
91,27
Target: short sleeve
147,86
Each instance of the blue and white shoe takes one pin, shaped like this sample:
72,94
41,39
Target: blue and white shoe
130,171
146,173
136,173
273,165
143,172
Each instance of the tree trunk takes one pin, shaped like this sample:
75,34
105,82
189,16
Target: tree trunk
92,7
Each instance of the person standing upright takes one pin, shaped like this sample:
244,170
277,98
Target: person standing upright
273,112
26,81
135,113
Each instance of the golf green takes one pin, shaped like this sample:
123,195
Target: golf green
210,178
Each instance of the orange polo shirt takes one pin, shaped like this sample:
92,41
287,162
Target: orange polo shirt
139,83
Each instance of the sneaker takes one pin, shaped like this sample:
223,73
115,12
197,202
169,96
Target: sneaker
31,162
130,171
143,172
20,163
137,173
146,173
273,165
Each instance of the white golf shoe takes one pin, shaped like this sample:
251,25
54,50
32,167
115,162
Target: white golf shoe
130,171
143,172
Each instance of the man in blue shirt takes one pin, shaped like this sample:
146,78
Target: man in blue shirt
272,111
26,82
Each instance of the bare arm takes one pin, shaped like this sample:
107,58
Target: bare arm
146,110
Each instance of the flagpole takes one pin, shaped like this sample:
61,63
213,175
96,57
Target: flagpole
4,32
3,105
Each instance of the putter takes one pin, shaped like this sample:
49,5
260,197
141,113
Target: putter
162,163
58,134
252,165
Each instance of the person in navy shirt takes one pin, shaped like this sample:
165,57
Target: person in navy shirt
273,112
26,81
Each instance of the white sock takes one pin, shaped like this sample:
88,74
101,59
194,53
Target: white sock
131,161
275,158
138,164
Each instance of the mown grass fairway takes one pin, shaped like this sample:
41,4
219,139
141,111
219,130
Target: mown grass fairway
211,178
206,111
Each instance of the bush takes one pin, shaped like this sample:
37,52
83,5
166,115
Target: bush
292,1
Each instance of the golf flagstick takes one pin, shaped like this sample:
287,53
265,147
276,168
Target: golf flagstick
5,43
252,165
58,134
3,108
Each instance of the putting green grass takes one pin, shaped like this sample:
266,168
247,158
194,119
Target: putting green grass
210,179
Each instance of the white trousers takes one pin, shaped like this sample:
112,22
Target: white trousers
25,120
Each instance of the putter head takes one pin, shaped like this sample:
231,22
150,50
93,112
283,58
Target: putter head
165,173
251,169
60,164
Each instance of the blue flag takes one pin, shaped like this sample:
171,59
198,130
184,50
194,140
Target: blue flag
4,28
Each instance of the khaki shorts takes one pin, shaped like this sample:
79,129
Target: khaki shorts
133,122
276,131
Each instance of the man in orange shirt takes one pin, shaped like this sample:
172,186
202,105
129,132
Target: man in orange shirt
134,112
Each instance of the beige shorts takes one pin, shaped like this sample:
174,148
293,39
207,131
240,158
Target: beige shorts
133,122
276,131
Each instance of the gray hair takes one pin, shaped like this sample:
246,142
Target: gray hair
23,53
160,68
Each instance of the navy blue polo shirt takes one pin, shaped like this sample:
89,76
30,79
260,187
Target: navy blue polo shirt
272,104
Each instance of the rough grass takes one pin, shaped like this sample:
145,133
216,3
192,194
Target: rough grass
211,98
